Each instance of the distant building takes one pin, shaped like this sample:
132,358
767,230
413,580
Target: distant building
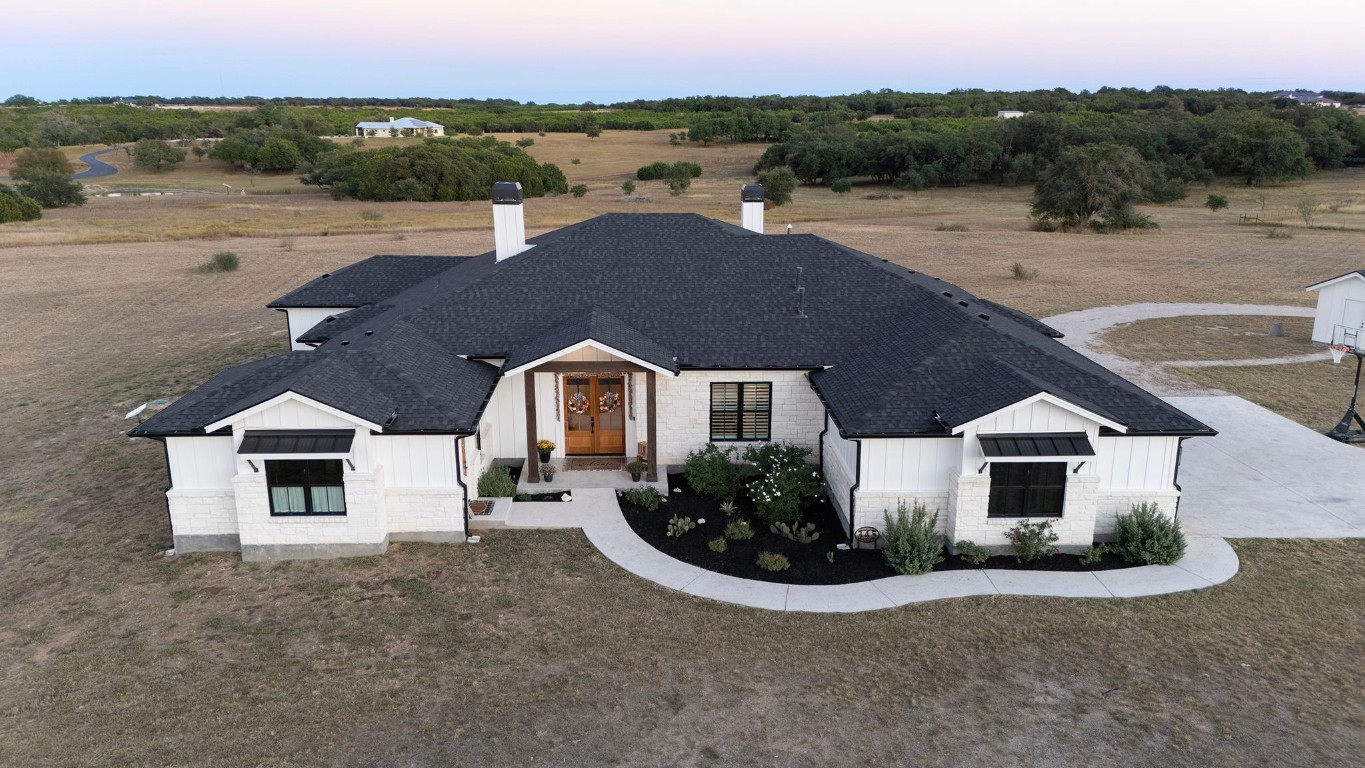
403,126
1310,98
1009,114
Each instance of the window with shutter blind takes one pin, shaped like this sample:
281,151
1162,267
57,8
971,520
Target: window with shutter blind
741,411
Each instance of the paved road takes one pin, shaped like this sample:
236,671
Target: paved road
1265,476
98,168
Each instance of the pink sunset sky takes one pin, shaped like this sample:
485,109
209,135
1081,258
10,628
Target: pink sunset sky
608,50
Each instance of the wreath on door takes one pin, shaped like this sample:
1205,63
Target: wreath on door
577,403
609,402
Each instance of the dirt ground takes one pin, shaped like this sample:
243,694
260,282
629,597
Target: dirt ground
533,648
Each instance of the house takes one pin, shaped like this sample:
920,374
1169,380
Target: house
1309,98
671,330
1340,316
403,126
1009,114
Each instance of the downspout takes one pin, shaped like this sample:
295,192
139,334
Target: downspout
853,489
459,478
1179,448
170,483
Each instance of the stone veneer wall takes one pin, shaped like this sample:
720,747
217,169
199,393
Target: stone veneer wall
969,499
203,520
429,514
872,506
684,403
1111,505
362,530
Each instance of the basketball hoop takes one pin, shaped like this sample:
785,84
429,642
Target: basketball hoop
1338,352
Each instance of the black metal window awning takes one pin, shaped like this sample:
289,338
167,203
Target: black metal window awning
1037,445
272,441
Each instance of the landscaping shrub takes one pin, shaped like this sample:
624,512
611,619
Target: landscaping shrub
801,534
739,530
973,553
912,545
1032,541
718,544
786,484
1093,553
712,471
1147,537
773,561
645,497
677,526
222,261
497,481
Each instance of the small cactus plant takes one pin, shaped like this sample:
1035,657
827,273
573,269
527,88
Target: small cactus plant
802,534
677,526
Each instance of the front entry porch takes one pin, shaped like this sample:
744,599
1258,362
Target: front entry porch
592,401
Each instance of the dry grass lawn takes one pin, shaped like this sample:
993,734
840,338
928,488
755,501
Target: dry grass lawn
531,647
1313,394
1234,337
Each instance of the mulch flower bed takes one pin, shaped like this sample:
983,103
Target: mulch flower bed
555,496
810,563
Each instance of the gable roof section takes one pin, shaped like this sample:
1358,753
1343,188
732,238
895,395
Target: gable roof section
366,282
596,325
409,384
1358,274
933,369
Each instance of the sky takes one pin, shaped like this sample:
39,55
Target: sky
611,50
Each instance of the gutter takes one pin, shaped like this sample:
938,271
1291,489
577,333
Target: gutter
166,454
1179,449
853,489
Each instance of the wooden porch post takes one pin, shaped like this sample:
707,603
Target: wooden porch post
532,457
653,430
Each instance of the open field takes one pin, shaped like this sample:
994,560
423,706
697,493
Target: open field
532,647
1313,394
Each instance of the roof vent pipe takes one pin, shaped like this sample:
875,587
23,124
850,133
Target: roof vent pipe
509,227
751,207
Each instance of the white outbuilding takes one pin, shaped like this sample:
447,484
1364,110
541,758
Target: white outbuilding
1340,316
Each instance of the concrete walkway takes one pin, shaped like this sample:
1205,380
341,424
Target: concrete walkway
1083,328
1208,561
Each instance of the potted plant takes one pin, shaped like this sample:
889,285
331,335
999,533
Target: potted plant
545,447
635,468
547,472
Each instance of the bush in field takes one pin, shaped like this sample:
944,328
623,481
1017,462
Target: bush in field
497,481
713,472
913,546
156,155
786,483
661,170
840,186
578,190
39,159
525,142
628,187
17,207
778,184
1091,179
222,261
1148,537
1216,203
52,189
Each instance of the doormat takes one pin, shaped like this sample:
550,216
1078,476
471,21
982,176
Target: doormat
608,463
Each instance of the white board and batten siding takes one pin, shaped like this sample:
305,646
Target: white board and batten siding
202,463
1341,306
1037,416
303,318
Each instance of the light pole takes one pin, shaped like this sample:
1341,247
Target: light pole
1342,431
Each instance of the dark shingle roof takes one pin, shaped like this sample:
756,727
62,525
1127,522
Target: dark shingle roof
366,282
688,292
598,325
409,384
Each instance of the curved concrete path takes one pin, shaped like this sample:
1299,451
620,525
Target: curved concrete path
1208,561
1082,330
98,168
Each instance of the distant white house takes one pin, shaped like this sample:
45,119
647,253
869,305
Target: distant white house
1340,317
403,126
1310,98
1009,114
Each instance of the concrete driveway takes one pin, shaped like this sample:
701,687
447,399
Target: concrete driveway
1265,476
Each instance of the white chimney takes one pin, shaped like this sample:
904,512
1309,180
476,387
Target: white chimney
509,228
751,207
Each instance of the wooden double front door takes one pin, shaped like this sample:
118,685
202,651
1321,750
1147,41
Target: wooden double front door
595,414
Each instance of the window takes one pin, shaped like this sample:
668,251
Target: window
1027,489
741,411
305,487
